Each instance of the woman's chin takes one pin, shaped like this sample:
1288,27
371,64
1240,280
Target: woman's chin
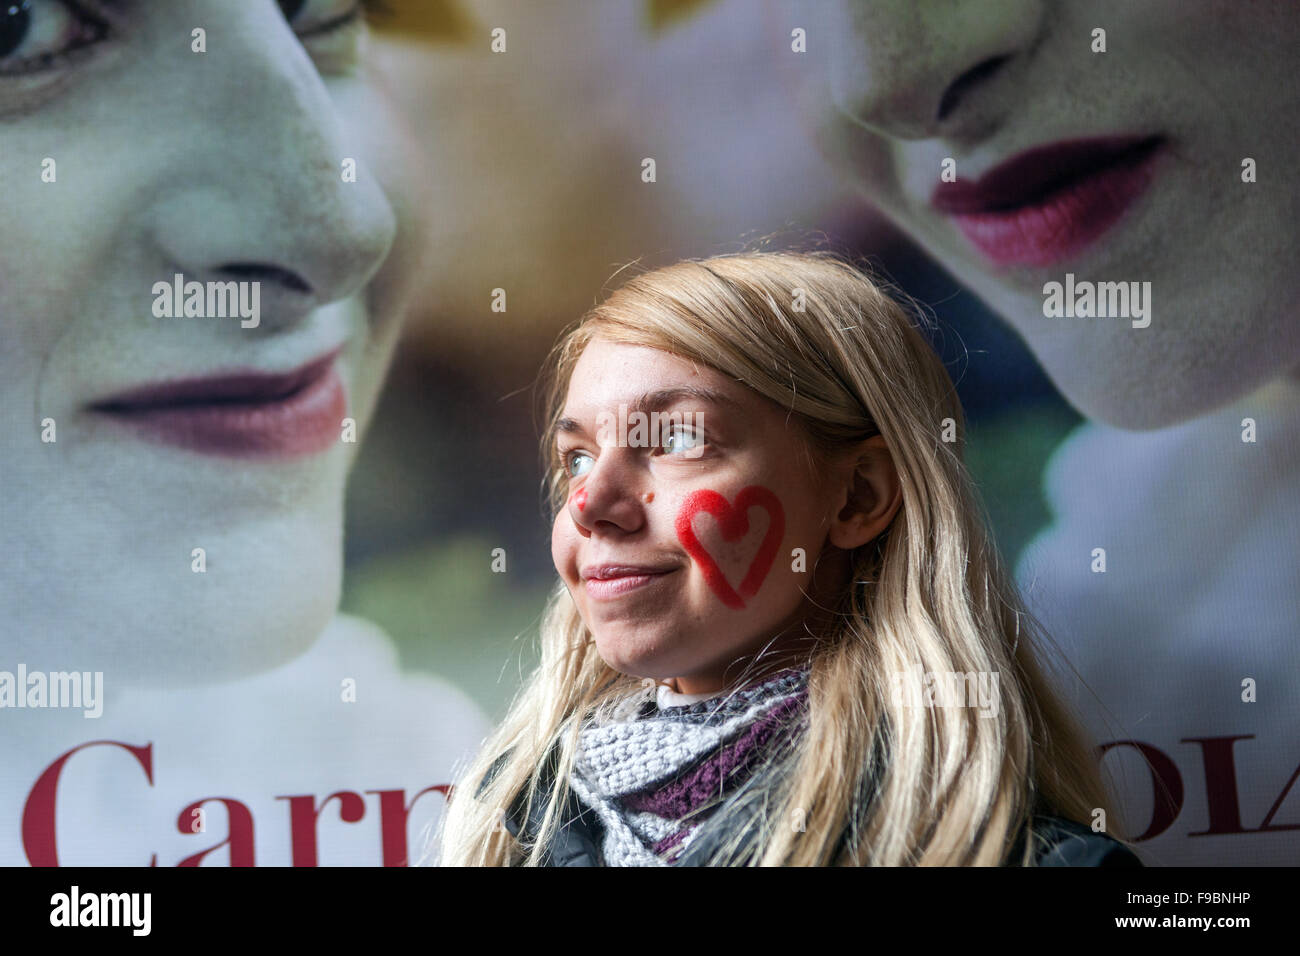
620,653
635,657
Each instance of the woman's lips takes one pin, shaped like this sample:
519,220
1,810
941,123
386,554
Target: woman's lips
1049,203
615,583
244,415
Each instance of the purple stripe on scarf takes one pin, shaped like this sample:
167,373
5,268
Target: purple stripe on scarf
670,841
708,778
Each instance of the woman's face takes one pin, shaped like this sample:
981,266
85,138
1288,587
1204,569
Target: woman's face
1185,92
130,157
678,541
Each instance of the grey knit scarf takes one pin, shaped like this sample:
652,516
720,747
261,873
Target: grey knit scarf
655,774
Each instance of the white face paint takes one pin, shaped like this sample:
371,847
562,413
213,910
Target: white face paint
148,540
906,88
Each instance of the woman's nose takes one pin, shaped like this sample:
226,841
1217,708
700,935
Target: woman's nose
262,183
922,69
608,498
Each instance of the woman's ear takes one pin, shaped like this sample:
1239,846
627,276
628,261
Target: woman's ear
868,495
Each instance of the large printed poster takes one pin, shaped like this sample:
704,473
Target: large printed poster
277,279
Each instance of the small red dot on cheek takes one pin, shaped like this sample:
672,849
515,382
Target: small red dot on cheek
580,498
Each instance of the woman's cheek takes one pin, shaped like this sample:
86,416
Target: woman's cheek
733,539
564,549
557,546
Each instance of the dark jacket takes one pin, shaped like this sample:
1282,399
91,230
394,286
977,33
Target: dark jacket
580,835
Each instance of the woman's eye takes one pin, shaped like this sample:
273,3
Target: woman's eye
683,440
576,463
35,34
319,16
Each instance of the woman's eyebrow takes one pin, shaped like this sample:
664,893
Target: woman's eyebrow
661,398
569,426
658,400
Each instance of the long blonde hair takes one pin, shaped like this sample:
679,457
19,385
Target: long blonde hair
874,781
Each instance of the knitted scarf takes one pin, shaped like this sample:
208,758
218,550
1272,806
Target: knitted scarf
654,774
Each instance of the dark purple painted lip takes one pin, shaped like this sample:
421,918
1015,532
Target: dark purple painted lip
1031,176
240,388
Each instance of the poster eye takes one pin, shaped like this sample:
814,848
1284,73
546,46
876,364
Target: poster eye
313,16
34,34
291,8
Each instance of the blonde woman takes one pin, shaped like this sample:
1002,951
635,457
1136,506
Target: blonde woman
782,635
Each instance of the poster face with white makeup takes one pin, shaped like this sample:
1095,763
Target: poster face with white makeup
199,306
1074,165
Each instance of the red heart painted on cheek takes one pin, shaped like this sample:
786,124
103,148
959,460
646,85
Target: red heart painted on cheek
733,522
